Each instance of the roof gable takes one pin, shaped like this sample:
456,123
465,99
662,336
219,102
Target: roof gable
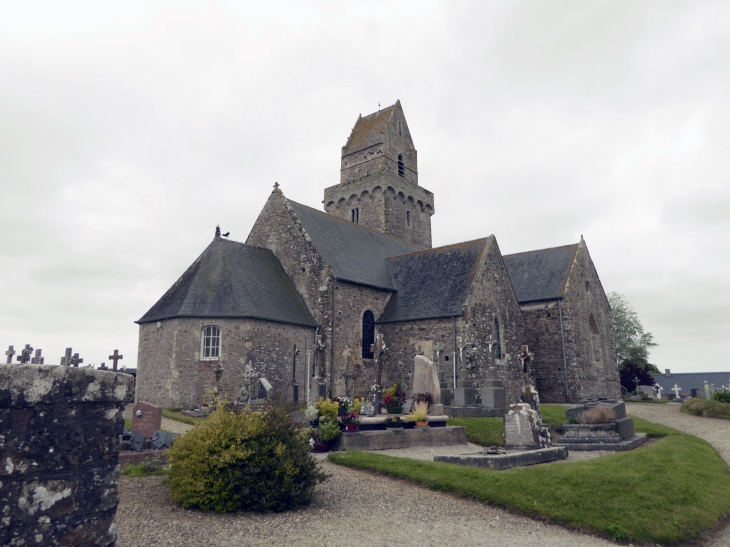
355,253
232,279
541,274
433,283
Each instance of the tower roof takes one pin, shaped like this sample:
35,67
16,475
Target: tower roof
369,130
232,279
540,274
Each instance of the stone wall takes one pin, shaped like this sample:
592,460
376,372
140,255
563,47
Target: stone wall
590,356
170,372
60,453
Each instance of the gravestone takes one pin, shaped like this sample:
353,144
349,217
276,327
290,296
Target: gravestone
465,394
523,429
162,439
136,442
493,394
66,359
146,419
425,378
694,392
408,406
115,357
708,391
25,355
264,390
38,359
10,353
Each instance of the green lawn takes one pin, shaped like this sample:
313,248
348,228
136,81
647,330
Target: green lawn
672,490
174,414
483,431
707,408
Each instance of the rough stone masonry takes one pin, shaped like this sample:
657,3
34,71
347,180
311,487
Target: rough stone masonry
59,454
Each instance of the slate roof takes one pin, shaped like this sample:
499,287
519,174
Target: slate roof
355,253
541,274
691,380
232,279
368,130
432,283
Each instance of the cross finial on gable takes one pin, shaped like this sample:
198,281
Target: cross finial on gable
218,232
276,186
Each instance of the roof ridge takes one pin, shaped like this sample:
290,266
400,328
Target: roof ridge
360,226
545,249
443,246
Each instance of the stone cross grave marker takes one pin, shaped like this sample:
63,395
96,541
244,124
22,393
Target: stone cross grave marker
10,353
37,359
75,361
676,389
25,355
115,357
66,359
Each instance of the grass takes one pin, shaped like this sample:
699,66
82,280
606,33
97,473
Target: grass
174,414
672,490
707,408
146,469
128,424
482,431
654,401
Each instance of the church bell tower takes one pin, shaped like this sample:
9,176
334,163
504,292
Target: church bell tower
379,180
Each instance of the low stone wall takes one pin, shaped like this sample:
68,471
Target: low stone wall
59,454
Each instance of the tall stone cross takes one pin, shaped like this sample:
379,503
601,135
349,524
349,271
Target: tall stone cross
66,359
378,348
75,361
37,360
676,389
115,357
25,354
10,353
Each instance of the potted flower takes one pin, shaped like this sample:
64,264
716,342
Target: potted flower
312,414
418,414
393,398
323,435
393,422
423,397
351,421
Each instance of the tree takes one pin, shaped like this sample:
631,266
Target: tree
632,344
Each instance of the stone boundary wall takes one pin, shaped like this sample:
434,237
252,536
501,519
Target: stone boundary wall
59,444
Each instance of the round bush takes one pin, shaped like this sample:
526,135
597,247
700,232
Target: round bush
244,461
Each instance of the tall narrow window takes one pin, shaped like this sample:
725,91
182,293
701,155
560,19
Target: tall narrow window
401,167
355,215
498,340
595,338
400,130
210,343
368,334
408,219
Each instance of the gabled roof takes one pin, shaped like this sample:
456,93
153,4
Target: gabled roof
687,381
355,253
368,130
232,279
433,283
541,274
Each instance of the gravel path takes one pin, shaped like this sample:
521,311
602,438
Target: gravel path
356,508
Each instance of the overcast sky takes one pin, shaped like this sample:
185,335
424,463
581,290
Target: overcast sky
129,130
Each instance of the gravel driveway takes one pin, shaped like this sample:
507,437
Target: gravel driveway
357,508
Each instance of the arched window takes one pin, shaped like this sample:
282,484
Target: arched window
595,338
401,166
498,339
368,334
210,343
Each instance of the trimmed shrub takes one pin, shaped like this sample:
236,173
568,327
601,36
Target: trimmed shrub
722,395
244,461
709,409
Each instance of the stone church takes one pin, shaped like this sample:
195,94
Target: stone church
310,299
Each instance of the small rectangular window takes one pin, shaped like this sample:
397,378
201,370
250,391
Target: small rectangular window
355,215
408,219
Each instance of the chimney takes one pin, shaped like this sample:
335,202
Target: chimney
666,372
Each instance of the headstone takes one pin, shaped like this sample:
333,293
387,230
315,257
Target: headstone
264,390
522,428
493,394
25,355
37,359
708,391
162,439
676,389
694,392
408,406
425,378
10,353
115,357
136,442
103,366
75,360
146,418
465,394
66,359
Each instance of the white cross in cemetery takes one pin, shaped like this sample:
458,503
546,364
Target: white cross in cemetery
10,353
676,389
116,357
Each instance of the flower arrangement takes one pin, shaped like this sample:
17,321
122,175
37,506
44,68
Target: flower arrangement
393,421
418,414
394,396
327,408
423,397
311,413
345,403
